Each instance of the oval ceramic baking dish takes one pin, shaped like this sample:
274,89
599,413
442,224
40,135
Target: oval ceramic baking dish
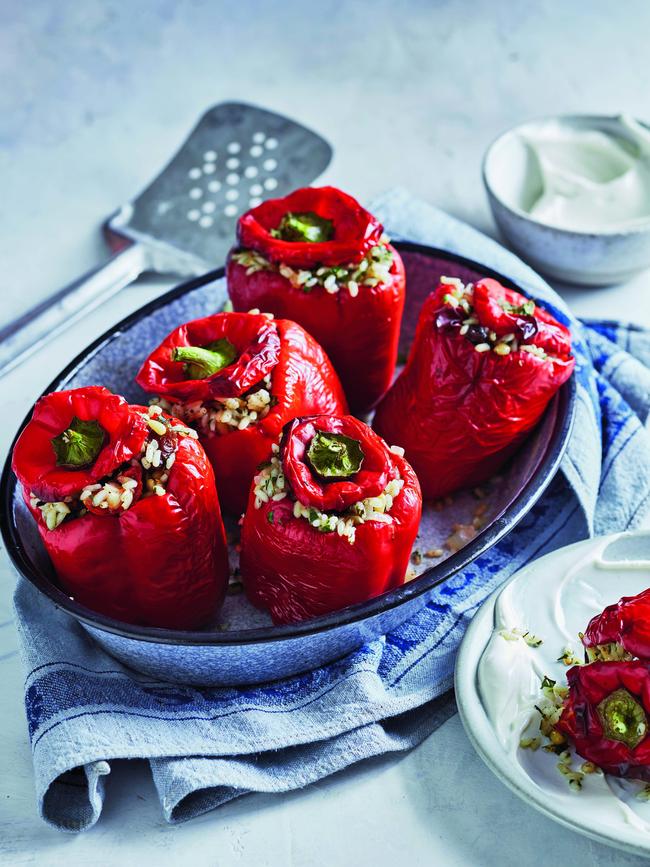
243,646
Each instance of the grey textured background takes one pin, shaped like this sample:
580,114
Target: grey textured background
97,95
94,98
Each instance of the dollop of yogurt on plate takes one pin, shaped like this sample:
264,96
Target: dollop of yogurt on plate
555,598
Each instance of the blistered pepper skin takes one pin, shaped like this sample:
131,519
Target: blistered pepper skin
359,334
162,562
460,414
302,380
589,685
297,572
627,623
34,460
355,230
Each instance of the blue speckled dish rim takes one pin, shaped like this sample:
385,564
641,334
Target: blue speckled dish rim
435,575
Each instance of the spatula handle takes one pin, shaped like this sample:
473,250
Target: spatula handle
33,329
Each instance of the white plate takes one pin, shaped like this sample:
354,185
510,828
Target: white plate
554,598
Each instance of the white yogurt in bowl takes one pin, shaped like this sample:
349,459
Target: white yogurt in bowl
572,195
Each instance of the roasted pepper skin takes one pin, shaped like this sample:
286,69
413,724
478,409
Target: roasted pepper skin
34,460
297,572
458,413
302,379
359,334
627,623
589,685
163,562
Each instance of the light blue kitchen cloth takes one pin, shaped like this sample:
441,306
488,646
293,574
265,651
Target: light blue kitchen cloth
206,746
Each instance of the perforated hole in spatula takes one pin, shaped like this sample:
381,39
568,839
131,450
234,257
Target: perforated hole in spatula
237,156
249,175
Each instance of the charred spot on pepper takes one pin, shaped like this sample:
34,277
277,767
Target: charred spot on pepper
527,327
623,718
79,444
305,227
334,455
201,362
449,317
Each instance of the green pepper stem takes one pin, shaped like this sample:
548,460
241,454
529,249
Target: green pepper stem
334,456
79,444
623,718
204,361
306,227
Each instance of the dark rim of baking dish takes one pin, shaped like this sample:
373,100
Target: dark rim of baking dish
435,575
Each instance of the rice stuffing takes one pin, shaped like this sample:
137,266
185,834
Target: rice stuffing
460,297
373,270
271,486
116,493
225,415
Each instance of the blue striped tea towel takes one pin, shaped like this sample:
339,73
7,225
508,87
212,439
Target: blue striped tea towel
207,746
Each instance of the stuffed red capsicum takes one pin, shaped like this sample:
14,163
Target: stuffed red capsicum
237,378
126,506
606,716
319,258
484,364
621,631
330,521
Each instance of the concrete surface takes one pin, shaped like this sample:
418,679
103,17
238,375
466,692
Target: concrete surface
95,97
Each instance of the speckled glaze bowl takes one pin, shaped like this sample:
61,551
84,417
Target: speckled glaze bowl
583,258
242,646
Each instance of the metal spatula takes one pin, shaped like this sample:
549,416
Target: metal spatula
184,222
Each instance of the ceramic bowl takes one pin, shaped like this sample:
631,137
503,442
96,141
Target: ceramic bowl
584,258
242,645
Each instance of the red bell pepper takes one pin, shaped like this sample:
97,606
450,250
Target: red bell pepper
606,716
622,628
330,520
317,257
126,506
484,364
238,394
35,461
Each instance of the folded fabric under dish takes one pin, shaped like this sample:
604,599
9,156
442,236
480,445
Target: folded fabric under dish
206,746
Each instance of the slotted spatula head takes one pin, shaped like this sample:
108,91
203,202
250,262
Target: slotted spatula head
236,156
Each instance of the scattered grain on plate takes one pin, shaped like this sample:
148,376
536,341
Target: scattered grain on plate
568,657
461,535
433,553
